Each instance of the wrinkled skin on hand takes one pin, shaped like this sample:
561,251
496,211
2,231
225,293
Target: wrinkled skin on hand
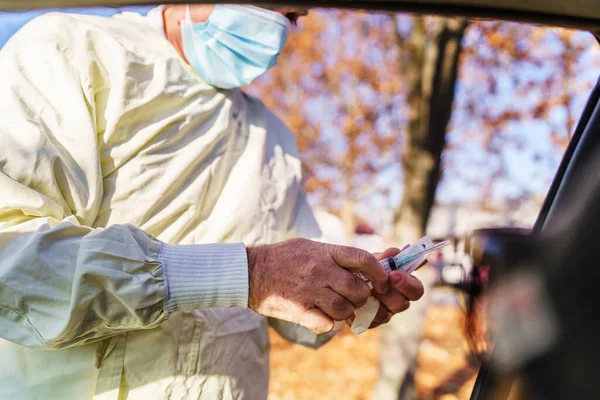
313,284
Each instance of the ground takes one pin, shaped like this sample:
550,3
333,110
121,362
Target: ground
347,367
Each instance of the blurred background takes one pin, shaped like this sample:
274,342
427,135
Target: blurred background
411,125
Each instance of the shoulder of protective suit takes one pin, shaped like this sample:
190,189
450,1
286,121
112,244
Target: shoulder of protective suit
64,27
276,127
85,36
49,24
56,29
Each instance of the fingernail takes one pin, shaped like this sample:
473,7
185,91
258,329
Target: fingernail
397,278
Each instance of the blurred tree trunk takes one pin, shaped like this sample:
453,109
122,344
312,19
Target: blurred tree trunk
429,59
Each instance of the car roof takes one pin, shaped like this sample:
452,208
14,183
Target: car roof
583,14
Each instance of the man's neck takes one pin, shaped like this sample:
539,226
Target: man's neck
172,24
174,14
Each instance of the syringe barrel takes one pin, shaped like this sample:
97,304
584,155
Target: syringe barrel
389,264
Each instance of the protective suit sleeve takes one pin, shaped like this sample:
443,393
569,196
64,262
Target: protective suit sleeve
62,282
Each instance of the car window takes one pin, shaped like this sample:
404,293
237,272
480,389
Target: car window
519,91
409,124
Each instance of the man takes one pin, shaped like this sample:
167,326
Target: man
126,147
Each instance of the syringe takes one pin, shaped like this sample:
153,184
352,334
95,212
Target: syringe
403,260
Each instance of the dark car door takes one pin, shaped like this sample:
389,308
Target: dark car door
583,149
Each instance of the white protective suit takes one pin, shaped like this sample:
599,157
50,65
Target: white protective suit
102,125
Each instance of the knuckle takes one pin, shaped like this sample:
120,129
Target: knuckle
304,245
363,296
317,268
360,302
321,269
362,293
357,285
333,250
342,307
297,242
363,256
346,316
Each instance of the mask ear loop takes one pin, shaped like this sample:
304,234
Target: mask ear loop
188,14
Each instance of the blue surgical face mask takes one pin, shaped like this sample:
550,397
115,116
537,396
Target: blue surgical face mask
235,45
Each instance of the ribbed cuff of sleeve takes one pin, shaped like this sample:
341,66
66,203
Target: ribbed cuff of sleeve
204,275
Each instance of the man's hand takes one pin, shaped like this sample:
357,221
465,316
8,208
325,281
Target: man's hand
312,284
404,288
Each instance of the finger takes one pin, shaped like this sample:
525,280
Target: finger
394,301
383,315
350,286
316,321
358,260
391,252
406,284
334,306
